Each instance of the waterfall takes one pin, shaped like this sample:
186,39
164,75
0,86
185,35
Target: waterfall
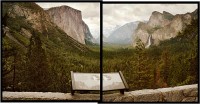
149,41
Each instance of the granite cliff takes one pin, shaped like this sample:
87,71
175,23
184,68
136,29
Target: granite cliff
70,20
162,26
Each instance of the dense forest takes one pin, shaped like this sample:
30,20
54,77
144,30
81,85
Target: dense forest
173,62
41,61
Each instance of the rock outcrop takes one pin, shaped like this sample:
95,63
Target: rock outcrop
38,19
162,26
70,20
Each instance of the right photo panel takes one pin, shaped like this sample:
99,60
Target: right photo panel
150,52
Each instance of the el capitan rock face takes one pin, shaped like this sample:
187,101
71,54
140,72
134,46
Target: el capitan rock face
70,20
88,35
162,26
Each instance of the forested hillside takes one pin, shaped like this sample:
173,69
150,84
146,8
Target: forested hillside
36,54
171,63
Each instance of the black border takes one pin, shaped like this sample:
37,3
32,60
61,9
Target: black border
70,1
101,52
160,2
51,1
101,41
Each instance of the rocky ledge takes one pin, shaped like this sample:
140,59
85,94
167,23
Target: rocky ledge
186,93
47,96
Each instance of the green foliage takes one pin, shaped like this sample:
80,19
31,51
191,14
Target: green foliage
173,62
20,38
38,66
142,72
17,23
44,64
12,59
164,69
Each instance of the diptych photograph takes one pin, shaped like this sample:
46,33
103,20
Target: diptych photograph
99,51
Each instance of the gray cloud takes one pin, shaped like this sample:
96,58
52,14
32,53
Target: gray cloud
90,13
119,14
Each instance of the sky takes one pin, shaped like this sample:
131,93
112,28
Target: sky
120,14
90,14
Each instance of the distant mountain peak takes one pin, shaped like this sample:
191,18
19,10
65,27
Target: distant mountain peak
166,13
155,12
123,34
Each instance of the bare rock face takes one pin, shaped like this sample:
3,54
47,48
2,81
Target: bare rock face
88,35
70,20
159,19
162,26
39,19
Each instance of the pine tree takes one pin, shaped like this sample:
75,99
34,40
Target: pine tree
143,73
164,69
38,78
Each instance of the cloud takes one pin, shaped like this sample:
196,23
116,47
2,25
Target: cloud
90,13
120,14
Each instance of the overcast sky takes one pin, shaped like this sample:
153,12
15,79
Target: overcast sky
120,14
90,14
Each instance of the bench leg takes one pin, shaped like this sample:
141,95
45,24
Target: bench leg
72,92
122,91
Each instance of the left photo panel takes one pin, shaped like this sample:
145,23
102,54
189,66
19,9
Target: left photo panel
50,51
